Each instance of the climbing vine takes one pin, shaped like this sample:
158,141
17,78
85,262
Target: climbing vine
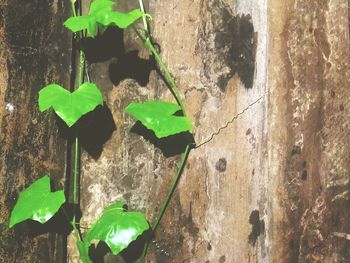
116,226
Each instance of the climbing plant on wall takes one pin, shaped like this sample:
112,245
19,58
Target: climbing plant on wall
116,226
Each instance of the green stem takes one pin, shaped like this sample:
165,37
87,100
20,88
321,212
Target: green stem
171,189
168,76
145,25
148,43
160,62
166,202
80,79
73,8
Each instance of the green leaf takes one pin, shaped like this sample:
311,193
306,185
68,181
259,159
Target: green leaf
77,23
70,106
100,16
37,202
158,117
122,20
117,227
83,251
101,5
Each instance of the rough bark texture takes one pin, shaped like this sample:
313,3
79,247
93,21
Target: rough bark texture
31,56
309,129
266,84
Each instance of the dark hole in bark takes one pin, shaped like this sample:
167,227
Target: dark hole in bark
221,165
258,227
222,259
304,175
296,150
170,146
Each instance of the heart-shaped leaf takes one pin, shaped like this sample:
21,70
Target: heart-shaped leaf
159,117
117,227
70,106
101,14
37,202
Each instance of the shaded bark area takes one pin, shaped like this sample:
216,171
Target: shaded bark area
310,129
34,51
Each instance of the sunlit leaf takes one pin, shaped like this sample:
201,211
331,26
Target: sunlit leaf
159,117
122,20
117,227
101,15
77,23
101,5
37,202
70,106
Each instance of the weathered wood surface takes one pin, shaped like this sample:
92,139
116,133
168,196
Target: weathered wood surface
266,84
32,54
309,130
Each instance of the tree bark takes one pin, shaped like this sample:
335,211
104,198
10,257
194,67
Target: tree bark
266,85
34,51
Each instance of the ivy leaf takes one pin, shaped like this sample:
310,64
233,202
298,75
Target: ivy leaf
101,5
70,106
117,227
159,117
101,15
122,20
37,202
77,23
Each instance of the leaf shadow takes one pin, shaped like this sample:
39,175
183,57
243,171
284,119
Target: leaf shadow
170,146
130,254
130,65
105,46
59,223
95,129
126,64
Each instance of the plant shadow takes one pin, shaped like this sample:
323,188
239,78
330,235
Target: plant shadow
130,254
130,65
127,65
170,146
95,129
59,223
105,46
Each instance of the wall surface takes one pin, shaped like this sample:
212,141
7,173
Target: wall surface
31,56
